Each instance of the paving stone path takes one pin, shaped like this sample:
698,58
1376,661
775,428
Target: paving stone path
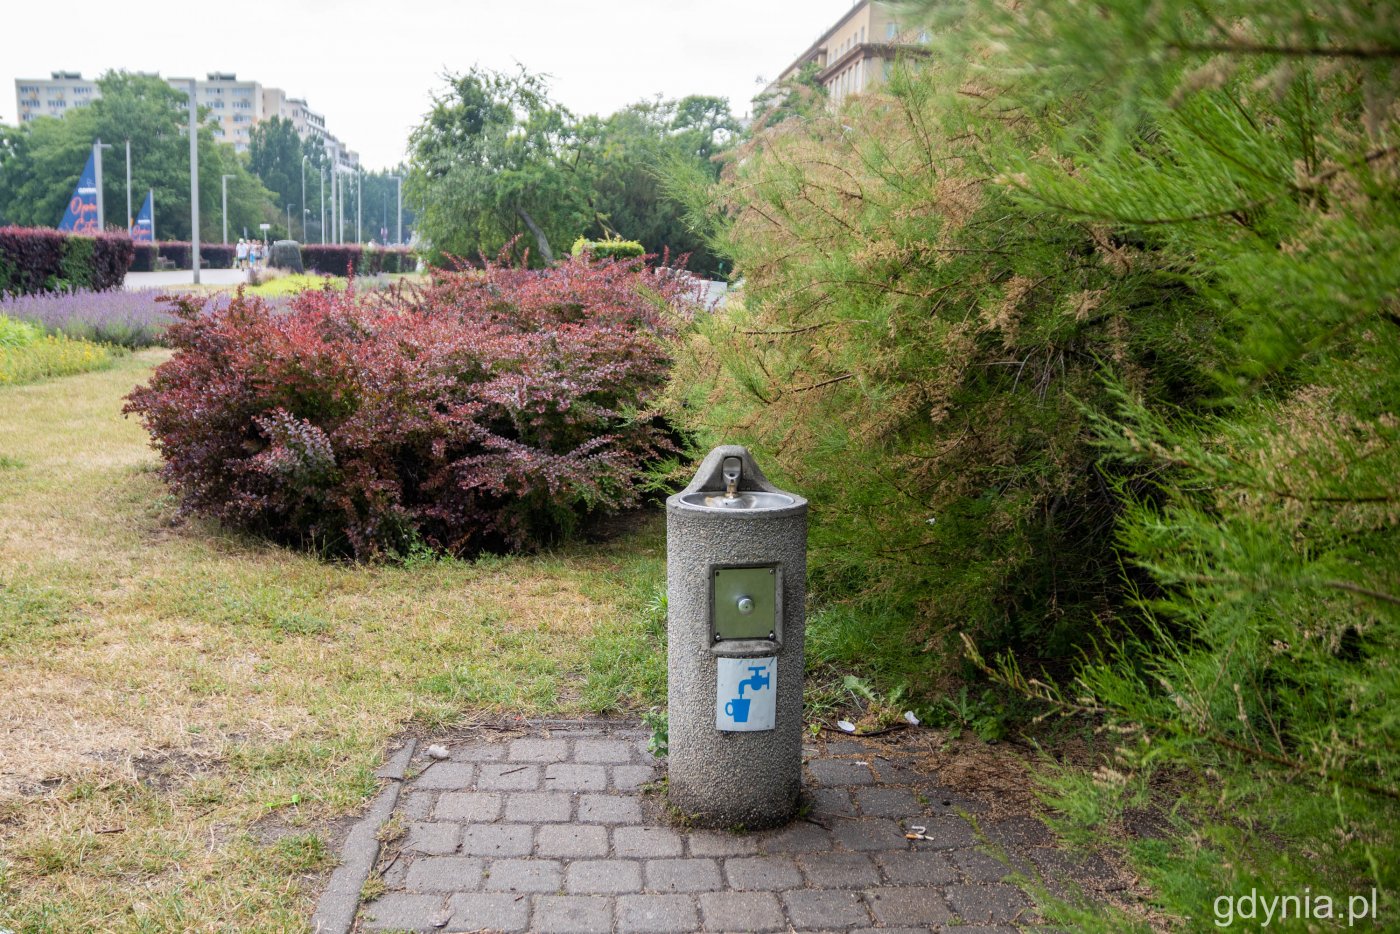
564,830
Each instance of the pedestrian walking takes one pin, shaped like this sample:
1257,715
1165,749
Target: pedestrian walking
240,254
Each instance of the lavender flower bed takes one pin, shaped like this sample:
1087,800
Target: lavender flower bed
130,319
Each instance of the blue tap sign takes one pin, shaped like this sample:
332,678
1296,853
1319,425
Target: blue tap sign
746,692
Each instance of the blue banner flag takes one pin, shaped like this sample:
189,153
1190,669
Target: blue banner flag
143,231
81,216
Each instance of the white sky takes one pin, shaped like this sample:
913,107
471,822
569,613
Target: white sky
371,66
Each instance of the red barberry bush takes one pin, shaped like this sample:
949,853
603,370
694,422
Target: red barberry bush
492,409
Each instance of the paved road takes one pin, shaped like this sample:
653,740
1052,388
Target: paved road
561,829
178,277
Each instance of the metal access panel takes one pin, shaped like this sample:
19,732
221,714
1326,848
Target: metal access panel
744,603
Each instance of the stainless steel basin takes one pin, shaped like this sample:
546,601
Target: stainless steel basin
739,501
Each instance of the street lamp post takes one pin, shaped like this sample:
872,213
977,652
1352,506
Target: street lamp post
398,236
289,222
97,148
129,218
359,206
322,201
223,183
303,199
194,183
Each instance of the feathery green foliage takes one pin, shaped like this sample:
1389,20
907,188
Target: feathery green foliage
1112,306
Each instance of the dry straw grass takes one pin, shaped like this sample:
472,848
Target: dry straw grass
169,685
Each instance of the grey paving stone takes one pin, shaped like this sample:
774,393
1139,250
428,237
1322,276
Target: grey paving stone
602,750
916,867
443,874
632,777
417,805
539,807
646,842
877,801
825,910
539,750
602,876
978,866
654,914
1017,831
432,838
468,806
843,747
445,776
477,752
944,832
839,870
489,913
644,755
742,911
986,904
868,833
566,776
718,843
571,840
883,930
830,802
836,772
762,873
609,809
399,912
506,776
523,875
916,905
572,914
903,771
497,839
682,875
801,837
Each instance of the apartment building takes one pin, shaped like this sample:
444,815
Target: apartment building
236,105
857,52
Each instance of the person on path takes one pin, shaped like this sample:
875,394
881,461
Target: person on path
240,253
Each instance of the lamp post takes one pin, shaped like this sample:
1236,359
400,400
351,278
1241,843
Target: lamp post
359,205
129,218
398,236
97,148
303,199
194,183
289,222
223,183
322,201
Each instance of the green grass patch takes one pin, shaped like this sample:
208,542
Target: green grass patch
51,355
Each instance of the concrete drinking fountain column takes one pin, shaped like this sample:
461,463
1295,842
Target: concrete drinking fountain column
736,552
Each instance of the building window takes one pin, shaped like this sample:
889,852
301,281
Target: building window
891,30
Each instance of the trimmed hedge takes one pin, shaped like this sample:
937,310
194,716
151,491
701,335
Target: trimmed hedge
335,258
211,255
39,259
608,249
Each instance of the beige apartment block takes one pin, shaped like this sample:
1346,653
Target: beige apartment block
237,106
857,52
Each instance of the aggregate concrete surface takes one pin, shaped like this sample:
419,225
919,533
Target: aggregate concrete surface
563,827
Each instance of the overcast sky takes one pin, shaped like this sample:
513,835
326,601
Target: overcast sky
372,67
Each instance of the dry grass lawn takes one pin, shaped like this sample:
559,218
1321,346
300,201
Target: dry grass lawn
183,710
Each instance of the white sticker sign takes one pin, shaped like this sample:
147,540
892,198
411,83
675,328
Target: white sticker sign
746,693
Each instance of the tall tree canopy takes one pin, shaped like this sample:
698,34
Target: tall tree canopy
497,159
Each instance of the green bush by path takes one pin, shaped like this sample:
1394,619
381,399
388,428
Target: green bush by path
1092,354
